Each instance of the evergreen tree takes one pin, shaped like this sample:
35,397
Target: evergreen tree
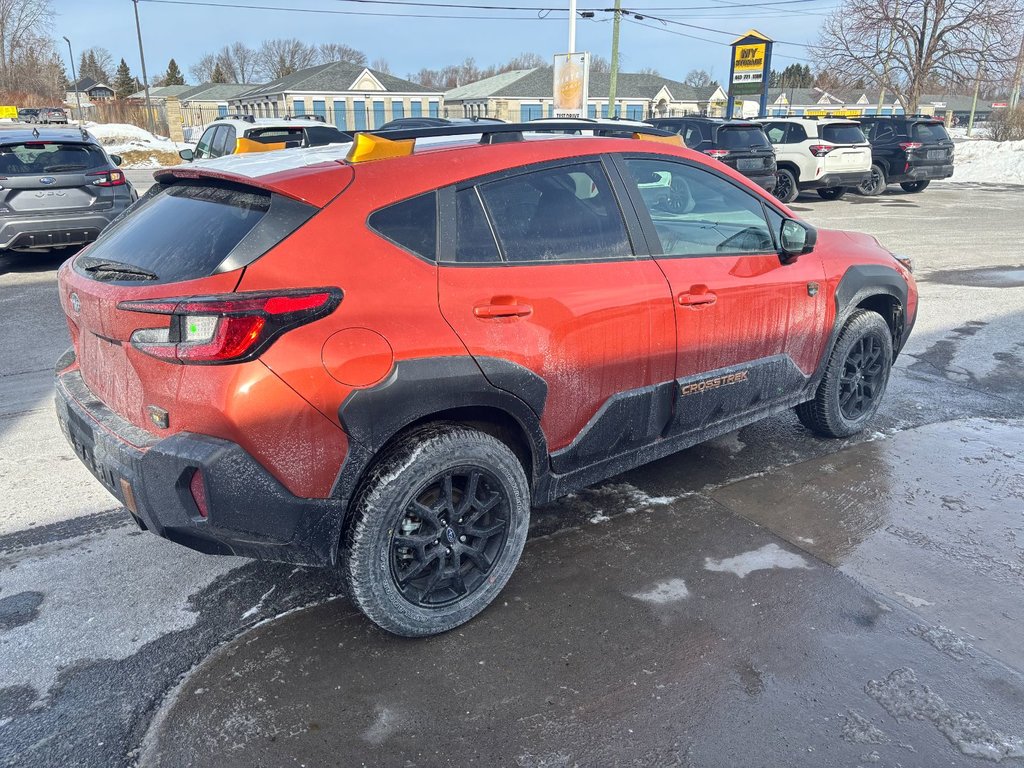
218,75
173,75
83,65
124,83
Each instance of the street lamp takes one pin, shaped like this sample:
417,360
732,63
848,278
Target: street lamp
145,80
78,96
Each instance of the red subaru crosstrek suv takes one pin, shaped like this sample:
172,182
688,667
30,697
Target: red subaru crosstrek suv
378,356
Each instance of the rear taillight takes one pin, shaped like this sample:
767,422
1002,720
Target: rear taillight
906,146
231,328
820,150
107,178
718,154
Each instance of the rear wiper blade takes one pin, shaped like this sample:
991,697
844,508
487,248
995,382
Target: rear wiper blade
121,267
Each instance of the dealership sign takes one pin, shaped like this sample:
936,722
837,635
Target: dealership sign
748,71
572,82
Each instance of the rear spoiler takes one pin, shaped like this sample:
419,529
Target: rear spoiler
316,184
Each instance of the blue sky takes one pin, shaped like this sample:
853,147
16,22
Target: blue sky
186,32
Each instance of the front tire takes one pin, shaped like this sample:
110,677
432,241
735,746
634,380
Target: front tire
915,186
786,189
438,528
855,378
831,193
876,184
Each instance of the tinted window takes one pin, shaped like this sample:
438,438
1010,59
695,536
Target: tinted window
776,132
879,132
930,132
697,213
153,236
474,241
412,224
796,134
842,133
49,157
741,138
274,135
555,214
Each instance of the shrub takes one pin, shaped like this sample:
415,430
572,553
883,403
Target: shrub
1007,125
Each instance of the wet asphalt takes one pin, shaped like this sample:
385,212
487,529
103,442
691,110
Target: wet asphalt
765,599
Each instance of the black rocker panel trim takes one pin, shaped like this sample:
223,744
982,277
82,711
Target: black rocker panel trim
626,421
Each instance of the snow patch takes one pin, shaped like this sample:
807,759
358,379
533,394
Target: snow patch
945,640
259,605
859,730
120,138
989,162
669,591
916,602
764,559
599,517
382,727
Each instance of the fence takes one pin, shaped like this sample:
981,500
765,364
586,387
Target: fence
126,112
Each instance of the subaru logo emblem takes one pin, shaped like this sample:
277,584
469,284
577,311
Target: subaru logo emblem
450,535
76,304
47,180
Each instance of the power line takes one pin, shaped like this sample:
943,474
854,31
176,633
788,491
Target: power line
708,40
541,13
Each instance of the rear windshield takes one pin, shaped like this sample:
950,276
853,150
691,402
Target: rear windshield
34,157
274,135
843,133
183,232
930,132
742,138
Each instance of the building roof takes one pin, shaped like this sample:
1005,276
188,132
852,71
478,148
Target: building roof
538,83
162,91
216,91
85,84
335,77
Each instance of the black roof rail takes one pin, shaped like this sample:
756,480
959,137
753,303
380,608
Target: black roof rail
493,133
237,116
318,118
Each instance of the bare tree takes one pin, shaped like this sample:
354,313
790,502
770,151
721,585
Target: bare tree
22,22
698,78
328,52
202,70
649,71
239,62
381,65
101,64
284,56
600,64
902,45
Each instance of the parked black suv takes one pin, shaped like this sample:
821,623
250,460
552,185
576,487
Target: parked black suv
907,150
739,144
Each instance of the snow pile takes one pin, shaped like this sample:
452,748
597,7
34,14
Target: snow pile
991,162
138,147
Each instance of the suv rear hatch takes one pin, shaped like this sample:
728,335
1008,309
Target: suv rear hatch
929,144
744,148
47,177
190,238
850,151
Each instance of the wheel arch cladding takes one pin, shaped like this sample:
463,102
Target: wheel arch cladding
878,288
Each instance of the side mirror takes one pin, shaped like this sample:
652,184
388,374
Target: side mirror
186,154
796,239
116,159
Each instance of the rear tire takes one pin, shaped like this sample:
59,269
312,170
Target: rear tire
831,193
437,529
874,185
915,186
855,378
786,189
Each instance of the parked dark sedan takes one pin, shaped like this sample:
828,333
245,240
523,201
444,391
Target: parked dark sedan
58,188
739,144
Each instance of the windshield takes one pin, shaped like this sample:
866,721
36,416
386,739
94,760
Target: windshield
746,137
843,133
930,132
34,157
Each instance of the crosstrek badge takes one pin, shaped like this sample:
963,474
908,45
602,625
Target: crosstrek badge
715,383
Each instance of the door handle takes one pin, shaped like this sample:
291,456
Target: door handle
490,311
697,299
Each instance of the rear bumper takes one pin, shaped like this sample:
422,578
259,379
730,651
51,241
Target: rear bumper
847,179
923,172
765,181
49,231
250,513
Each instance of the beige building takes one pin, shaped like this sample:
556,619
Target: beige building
349,96
528,94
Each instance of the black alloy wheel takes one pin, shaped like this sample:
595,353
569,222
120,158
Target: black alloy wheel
915,186
786,189
863,377
875,185
447,542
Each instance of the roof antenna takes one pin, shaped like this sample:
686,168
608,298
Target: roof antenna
85,133
35,132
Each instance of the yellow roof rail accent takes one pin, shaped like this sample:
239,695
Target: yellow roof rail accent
367,147
244,146
675,140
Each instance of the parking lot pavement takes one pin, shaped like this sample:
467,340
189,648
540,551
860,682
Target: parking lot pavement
98,621
140,178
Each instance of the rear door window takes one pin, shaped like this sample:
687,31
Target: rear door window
565,213
843,133
34,157
730,137
776,132
410,224
930,133
224,141
182,232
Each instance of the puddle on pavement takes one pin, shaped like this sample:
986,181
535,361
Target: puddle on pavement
934,517
985,277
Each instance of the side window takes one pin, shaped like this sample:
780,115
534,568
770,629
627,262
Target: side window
776,132
882,132
796,134
697,213
205,142
224,142
474,241
557,214
692,137
410,224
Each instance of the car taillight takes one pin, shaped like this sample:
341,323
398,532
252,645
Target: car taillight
230,328
906,146
820,150
718,154
107,178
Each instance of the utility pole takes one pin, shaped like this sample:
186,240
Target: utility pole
613,76
78,96
885,64
1018,78
977,87
572,26
145,80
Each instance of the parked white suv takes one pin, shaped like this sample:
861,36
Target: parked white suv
829,155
